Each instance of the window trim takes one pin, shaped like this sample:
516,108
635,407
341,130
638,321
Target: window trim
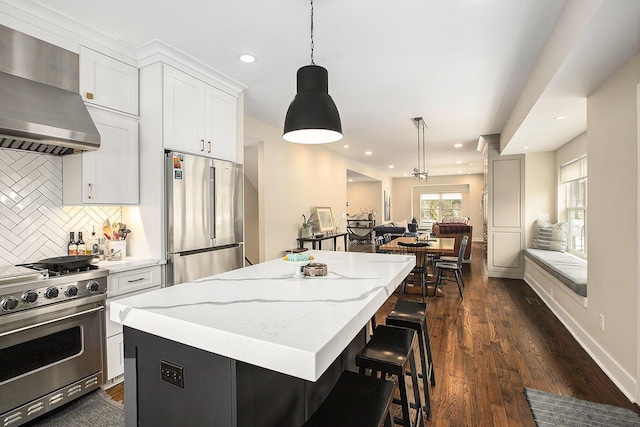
440,208
565,210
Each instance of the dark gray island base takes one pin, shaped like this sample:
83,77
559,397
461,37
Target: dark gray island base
173,384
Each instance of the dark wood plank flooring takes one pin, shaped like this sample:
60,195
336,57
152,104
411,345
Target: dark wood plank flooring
489,346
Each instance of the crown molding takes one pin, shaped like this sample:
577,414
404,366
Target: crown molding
52,27
157,50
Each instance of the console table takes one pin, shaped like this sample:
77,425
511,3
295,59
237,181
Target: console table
314,240
361,229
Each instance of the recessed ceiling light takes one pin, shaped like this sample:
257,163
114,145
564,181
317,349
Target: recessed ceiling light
390,166
470,164
526,147
560,118
346,145
247,57
458,145
459,171
350,180
404,174
459,162
368,153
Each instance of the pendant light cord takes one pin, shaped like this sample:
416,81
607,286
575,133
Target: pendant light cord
312,63
424,149
418,126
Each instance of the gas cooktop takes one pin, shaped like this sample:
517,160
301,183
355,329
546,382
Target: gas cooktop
29,286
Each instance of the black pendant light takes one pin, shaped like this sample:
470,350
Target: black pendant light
312,117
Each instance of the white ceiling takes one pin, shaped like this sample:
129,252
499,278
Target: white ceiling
460,64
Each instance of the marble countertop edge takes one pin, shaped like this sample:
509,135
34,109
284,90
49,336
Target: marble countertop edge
129,263
277,357
239,298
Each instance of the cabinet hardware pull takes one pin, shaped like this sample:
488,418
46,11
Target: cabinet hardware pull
89,95
135,280
90,191
209,146
48,322
202,149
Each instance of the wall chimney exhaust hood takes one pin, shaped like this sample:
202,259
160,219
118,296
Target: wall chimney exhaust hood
38,117
40,107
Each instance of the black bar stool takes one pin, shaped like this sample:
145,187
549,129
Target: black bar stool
413,315
390,352
355,400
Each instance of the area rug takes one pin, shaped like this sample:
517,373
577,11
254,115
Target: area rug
553,410
96,409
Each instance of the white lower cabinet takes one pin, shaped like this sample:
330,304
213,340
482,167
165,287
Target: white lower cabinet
115,356
124,284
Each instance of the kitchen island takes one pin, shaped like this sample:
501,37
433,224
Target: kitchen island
250,347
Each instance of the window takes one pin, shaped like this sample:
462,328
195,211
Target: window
573,191
436,206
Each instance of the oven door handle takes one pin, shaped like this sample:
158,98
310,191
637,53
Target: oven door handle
48,322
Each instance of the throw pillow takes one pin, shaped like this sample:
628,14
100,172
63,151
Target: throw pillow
548,236
402,223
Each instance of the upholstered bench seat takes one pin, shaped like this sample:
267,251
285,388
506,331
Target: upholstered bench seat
568,269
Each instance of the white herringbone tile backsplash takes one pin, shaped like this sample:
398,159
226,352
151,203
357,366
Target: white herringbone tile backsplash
33,223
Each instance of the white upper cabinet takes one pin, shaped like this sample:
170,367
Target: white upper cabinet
107,82
198,118
108,176
184,115
220,124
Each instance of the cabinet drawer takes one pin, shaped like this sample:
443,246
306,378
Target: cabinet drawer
133,280
115,356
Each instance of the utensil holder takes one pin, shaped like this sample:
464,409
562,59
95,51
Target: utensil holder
117,249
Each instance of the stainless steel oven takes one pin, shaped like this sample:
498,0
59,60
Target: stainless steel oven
51,342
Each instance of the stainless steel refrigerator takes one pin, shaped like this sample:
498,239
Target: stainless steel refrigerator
204,217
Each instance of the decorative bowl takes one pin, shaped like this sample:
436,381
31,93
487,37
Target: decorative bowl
299,263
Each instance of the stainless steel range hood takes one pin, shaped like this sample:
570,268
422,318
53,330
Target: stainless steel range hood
40,108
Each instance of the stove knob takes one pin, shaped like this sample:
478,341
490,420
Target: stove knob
71,291
93,286
29,297
9,303
51,292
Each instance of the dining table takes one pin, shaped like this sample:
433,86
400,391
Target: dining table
443,245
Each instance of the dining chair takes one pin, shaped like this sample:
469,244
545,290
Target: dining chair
383,239
455,267
449,258
379,241
419,250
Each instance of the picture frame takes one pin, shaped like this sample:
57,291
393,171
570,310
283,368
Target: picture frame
325,219
387,206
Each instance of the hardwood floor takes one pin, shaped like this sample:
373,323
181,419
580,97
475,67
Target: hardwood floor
487,347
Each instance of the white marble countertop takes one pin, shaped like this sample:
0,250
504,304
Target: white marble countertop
129,263
263,316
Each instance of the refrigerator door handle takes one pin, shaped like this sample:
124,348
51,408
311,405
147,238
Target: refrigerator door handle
213,202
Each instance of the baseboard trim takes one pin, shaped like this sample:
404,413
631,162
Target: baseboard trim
620,377
502,274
